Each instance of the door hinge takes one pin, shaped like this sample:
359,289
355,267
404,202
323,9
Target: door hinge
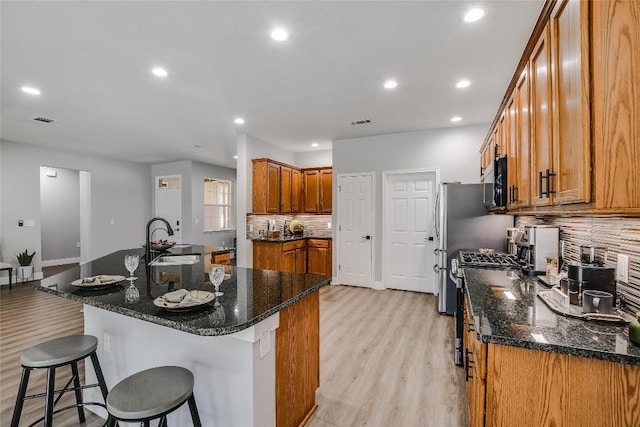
339,266
339,228
339,188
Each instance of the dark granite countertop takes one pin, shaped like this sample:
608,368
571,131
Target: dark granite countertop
289,238
500,320
250,295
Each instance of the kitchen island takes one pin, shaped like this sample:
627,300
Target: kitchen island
254,351
529,366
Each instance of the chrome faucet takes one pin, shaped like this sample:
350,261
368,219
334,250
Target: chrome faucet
147,248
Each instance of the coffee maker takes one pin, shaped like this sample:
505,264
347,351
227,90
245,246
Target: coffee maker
538,243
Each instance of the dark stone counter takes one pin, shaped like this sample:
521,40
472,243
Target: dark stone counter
519,322
250,295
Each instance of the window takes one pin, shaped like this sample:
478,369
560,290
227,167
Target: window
217,205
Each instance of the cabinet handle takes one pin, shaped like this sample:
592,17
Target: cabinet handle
481,171
540,184
549,191
467,365
515,194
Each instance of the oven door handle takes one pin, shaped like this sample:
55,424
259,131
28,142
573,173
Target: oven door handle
453,278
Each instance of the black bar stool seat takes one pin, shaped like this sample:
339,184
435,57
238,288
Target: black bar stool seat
53,354
151,394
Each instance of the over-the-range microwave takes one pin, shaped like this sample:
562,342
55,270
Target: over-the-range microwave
495,184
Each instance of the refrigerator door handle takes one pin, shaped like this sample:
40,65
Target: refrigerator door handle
436,215
437,269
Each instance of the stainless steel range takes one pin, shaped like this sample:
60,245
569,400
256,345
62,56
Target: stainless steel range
488,260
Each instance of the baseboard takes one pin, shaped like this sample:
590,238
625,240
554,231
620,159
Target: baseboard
378,286
63,261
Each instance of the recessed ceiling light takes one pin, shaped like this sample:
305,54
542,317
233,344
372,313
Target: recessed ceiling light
463,83
238,121
279,34
160,72
315,144
235,157
390,84
473,15
456,119
30,90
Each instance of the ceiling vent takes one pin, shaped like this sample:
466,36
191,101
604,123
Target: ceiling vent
43,119
361,122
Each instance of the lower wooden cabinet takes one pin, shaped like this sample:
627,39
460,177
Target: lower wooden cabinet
280,256
319,256
518,386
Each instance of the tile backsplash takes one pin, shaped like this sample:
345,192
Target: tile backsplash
618,235
316,224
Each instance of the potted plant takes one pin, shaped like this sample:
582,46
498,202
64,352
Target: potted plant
297,227
25,269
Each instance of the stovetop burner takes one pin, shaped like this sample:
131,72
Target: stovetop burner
488,260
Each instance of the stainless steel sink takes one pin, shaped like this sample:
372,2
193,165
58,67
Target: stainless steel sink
176,260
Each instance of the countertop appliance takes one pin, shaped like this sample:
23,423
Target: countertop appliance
488,260
539,243
495,184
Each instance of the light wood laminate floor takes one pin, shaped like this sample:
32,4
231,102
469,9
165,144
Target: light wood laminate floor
385,357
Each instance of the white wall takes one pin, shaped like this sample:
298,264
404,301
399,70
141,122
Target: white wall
120,192
250,147
454,151
314,159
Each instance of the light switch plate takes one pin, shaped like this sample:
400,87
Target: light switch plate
622,271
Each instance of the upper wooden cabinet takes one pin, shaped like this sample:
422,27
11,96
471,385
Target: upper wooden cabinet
576,116
616,105
277,187
317,190
571,102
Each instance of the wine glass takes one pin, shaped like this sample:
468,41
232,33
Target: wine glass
131,263
216,274
131,294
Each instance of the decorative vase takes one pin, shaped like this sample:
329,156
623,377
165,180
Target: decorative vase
298,233
24,273
634,331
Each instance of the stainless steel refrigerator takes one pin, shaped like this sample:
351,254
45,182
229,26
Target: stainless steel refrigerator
463,222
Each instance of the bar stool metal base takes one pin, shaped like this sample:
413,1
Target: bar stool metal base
53,354
151,394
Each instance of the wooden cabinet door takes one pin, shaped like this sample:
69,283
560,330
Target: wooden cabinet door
325,190
301,260
288,263
311,190
273,188
540,65
296,191
511,142
319,257
571,104
522,191
285,189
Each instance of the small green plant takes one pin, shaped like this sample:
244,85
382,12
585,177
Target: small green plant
24,259
296,226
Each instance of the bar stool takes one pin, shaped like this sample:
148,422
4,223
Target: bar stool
53,354
151,394
5,266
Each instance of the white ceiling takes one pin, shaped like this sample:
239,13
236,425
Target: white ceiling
92,60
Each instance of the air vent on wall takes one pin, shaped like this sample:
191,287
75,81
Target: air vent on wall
361,122
43,119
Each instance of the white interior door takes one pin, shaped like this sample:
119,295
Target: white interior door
169,207
355,230
408,230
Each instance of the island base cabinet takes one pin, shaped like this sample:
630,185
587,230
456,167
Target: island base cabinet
535,388
297,361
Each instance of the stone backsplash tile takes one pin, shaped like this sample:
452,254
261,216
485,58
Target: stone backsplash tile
316,224
618,235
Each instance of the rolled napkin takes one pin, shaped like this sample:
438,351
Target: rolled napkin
190,300
176,296
88,280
